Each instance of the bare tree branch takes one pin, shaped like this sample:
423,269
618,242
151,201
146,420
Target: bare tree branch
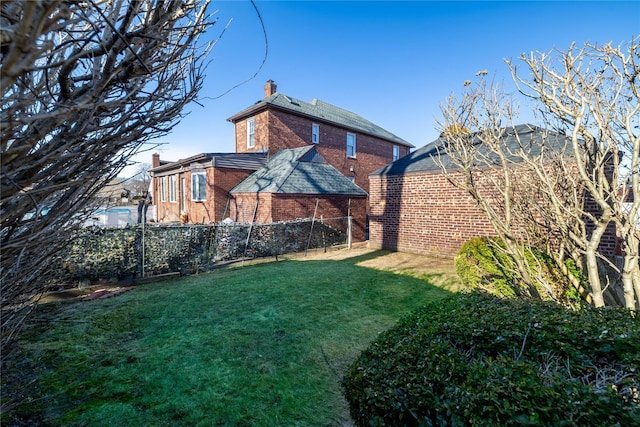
85,84
561,198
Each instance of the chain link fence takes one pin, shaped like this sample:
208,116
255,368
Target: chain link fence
147,250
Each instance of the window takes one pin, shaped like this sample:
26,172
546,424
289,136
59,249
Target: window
396,153
251,133
163,189
351,145
198,186
315,133
172,188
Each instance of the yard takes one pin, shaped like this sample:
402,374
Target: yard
262,345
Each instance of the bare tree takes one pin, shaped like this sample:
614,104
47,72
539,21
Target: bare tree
591,93
139,183
564,193
84,85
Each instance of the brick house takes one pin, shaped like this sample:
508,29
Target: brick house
298,183
414,208
350,143
198,187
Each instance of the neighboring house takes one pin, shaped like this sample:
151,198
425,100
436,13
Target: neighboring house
113,193
353,145
298,183
196,189
414,208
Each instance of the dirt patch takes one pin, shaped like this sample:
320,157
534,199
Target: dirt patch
439,271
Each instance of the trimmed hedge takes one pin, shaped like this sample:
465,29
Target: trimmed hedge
476,359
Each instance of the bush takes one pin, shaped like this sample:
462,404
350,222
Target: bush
481,263
475,359
478,265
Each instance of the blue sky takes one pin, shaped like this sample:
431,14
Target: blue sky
391,62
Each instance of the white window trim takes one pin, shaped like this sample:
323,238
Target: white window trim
354,145
396,153
196,197
251,135
172,188
315,133
163,188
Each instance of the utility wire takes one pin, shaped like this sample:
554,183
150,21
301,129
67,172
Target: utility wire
264,60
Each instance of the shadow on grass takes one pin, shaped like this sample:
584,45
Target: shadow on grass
261,345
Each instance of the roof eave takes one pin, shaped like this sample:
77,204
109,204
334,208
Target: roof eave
181,162
264,105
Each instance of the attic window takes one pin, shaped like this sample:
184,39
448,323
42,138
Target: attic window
315,133
312,157
290,100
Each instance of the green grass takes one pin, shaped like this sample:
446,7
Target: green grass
262,345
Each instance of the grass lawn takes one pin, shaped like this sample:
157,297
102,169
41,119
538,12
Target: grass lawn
261,345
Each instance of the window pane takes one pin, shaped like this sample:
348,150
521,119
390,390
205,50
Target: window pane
163,189
315,133
202,187
351,145
172,188
198,187
250,133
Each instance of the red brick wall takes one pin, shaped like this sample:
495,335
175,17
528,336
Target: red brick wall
273,208
166,211
200,212
261,135
242,207
424,214
284,130
219,182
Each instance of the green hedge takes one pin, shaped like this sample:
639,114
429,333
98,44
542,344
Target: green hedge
107,253
482,264
476,359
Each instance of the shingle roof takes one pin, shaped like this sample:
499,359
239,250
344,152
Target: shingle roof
426,159
298,171
321,111
246,161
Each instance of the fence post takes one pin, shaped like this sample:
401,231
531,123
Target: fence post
246,244
313,220
349,232
143,252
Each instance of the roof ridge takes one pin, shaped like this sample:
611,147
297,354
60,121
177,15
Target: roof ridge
293,163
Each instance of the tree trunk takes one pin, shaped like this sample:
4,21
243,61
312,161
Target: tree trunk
591,261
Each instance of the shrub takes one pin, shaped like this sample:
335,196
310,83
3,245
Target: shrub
475,359
481,263
478,265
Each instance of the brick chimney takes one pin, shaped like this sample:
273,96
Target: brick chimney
155,160
269,88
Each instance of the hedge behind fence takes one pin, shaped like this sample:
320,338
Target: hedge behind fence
107,253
